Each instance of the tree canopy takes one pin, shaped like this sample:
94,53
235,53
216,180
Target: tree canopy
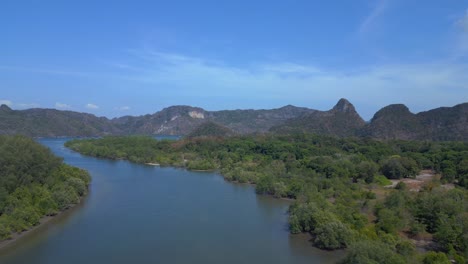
336,185
34,183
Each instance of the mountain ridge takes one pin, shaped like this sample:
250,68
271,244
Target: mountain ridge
394,121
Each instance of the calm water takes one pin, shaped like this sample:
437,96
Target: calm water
144,214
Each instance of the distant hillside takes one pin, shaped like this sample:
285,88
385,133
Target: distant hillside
391,122
342,120
251,121
174,120
210,129
53,123
181,120
397,122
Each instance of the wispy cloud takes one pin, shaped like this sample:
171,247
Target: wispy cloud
377,11
91,106
59,105
290,68
6,102
124,108
462,25
28,105
291,82
463,22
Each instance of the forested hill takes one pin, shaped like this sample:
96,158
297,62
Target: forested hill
391,122
444,123
34,183
38,122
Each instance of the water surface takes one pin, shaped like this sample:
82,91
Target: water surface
145,214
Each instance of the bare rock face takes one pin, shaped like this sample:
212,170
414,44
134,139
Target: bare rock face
174,120
195,114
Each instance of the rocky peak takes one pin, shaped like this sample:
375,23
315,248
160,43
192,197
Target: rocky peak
344,106
5,108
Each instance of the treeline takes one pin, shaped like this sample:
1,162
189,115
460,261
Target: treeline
34,183
337,187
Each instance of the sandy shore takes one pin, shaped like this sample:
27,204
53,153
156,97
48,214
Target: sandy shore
152,164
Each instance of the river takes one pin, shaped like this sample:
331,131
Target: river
147,214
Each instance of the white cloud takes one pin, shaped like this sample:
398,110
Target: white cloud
462,24
91,106
6,102
375,86
25,105
290,68
377,11
124,108
62,106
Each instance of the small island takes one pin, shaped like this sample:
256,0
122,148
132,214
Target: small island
34,186
341,187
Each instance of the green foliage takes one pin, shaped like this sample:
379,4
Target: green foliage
335,182
34,183
382,180
401,186
397,167
210,129
435,258
333,235
371,252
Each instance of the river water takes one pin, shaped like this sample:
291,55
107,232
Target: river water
145,214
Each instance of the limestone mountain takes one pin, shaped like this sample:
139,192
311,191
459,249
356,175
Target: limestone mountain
394,122
397,122
342,120
391,122
181,120
174,120
446,123
252,121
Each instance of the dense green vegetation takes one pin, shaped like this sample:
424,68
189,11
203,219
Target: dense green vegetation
336,184
34,183
210,129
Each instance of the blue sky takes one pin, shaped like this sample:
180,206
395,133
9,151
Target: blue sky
114,58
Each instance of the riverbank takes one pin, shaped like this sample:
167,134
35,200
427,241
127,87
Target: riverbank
45,223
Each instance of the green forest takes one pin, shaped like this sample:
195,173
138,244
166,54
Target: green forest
34,183
337,185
